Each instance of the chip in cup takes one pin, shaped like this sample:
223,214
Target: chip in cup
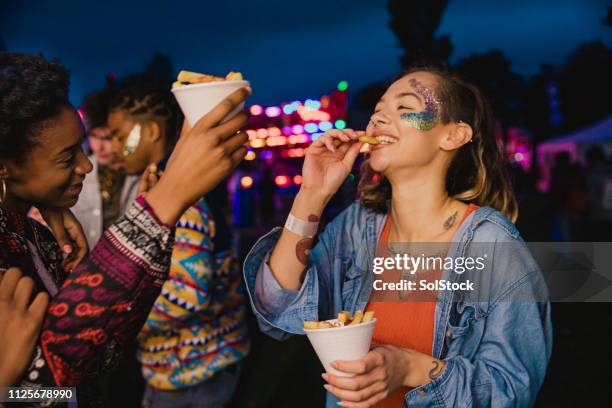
190,78
344,319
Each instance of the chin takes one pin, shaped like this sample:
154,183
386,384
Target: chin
378,164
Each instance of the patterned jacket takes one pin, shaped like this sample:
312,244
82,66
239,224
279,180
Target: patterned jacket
197,326
102,304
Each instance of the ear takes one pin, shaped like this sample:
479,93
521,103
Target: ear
4,172
457,135
152,131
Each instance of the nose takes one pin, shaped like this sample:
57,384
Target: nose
84,165
378,119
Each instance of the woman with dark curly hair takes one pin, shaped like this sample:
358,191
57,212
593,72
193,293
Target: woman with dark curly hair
105,300
434,175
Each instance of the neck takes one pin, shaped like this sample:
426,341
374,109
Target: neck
419,207
16,206
158,153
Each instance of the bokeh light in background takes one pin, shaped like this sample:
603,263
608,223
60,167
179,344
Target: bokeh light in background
246,182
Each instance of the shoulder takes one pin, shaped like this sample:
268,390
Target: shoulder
490,224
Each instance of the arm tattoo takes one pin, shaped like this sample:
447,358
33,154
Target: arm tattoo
432,373
450,221
302,250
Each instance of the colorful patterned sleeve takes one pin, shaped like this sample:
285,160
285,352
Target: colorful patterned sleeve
187,290
105,301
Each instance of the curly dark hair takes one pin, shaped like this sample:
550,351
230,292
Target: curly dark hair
152,101
33,90
96,108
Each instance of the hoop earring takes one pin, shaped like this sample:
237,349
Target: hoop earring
3,190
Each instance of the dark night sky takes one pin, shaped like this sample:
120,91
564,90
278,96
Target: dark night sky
288,50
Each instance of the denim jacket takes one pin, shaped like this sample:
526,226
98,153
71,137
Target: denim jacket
496,343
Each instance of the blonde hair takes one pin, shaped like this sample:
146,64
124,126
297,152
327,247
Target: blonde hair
477,173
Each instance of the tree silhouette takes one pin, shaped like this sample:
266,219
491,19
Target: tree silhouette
504,89
415,25
157,71
585,86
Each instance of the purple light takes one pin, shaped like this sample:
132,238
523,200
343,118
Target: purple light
273,111
297,129
266,154
287,130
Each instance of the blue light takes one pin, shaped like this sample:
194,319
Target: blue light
288,109
315,136
312,104
325,126
311,127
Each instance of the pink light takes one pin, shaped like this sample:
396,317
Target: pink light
297,129
276,141
295,139
246,182
262,133
297,179
296,152
281,181
274,131
273,111
252,134
312,115
256,110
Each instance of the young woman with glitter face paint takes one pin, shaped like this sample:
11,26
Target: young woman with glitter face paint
436,175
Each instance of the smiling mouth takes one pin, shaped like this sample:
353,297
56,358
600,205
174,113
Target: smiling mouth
385,139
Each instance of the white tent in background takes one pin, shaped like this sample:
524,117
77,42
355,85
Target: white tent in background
575,143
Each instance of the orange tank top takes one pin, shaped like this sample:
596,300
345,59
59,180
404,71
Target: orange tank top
415,329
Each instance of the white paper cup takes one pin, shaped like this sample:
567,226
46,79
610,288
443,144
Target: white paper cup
341,343
198,99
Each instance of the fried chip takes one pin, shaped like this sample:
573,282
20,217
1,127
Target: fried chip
233,76
357,318
311,325
368,140
344,317
368,316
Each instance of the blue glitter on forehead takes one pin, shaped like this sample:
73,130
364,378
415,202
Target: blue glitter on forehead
429,118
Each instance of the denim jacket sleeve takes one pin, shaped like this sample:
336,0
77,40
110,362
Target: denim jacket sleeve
281,312
508,365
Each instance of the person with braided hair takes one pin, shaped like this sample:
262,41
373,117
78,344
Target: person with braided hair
195,337
99,305
107,190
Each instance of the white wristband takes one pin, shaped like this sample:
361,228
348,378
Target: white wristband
301,227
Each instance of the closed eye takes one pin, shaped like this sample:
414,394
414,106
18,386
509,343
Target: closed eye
404,108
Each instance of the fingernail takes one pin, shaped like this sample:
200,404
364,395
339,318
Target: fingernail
67,249
249,90
324,375
327,387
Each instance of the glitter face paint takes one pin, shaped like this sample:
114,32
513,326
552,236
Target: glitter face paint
132,141
429,118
